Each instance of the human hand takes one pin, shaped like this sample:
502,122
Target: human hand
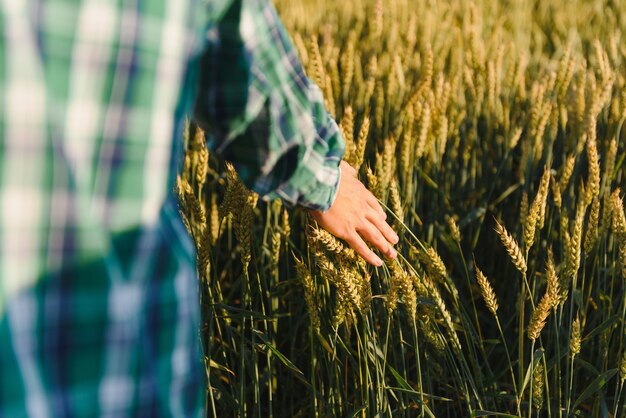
356,216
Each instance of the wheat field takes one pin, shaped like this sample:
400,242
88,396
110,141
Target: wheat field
492,132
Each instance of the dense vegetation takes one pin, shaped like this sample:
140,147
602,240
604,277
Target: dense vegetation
493,133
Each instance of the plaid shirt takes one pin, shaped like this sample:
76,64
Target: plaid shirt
99,310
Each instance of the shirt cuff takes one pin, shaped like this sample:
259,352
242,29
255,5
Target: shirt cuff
315,182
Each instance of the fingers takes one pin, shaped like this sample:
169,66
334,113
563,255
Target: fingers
358,245
384,228
371,234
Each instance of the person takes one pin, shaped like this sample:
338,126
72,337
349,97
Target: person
99,310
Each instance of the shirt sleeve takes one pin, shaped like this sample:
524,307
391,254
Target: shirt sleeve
262,113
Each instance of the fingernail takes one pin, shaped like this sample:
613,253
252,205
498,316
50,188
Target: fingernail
378,262
396,238
393,253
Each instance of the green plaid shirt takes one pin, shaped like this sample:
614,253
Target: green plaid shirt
99,310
